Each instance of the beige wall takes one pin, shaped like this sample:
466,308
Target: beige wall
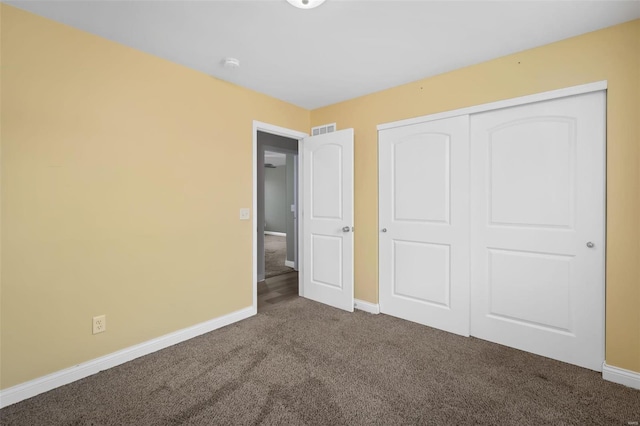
122,177
611,54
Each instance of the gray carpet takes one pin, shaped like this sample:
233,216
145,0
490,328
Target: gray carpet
306,363
275,254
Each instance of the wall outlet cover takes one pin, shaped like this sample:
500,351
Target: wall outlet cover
99,324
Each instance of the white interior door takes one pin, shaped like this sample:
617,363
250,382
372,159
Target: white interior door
424,221
328,219
537,228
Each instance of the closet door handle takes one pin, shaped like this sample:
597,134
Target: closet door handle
384,229
346,229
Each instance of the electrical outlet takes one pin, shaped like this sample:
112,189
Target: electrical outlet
99,324
244,214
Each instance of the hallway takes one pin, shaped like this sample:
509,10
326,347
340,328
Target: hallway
277,289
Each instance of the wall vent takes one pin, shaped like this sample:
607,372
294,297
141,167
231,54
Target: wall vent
321,130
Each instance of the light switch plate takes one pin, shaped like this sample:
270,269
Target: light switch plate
244,214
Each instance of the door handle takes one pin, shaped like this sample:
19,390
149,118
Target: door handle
346,229
384,229
590,244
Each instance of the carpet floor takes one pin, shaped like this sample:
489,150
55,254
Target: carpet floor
275,254
306,363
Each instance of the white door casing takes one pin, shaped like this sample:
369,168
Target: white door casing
537,228
327,217
258,169
424,223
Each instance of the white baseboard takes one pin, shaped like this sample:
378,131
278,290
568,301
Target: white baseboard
277,234
60,378
372,308
289,263
621,376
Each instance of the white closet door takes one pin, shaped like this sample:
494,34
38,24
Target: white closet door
537,228
424,223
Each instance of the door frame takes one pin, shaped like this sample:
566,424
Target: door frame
292,134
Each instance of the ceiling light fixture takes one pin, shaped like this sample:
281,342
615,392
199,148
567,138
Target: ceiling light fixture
306,4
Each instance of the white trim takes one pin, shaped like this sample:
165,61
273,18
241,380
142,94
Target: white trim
274,130
51,381
296,204
290,264
300,241
277,234
372,308
621,376
538,97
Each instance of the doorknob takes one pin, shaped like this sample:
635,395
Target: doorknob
590,244
384,229
345,229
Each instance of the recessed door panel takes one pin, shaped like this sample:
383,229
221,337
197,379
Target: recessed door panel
530,288
326,182
421,187
326,265
424,223
537,228
532,168
421,272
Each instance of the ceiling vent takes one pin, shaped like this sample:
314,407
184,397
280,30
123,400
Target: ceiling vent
325,128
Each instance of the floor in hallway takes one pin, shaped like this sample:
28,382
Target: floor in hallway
277,289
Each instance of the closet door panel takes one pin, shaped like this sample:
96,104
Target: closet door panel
537,228
423,214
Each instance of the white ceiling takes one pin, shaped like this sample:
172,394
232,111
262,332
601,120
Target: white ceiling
342,49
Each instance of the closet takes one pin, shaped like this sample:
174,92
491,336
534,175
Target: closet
492,224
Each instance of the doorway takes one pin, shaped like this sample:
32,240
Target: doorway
325,230
278,212
275,205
